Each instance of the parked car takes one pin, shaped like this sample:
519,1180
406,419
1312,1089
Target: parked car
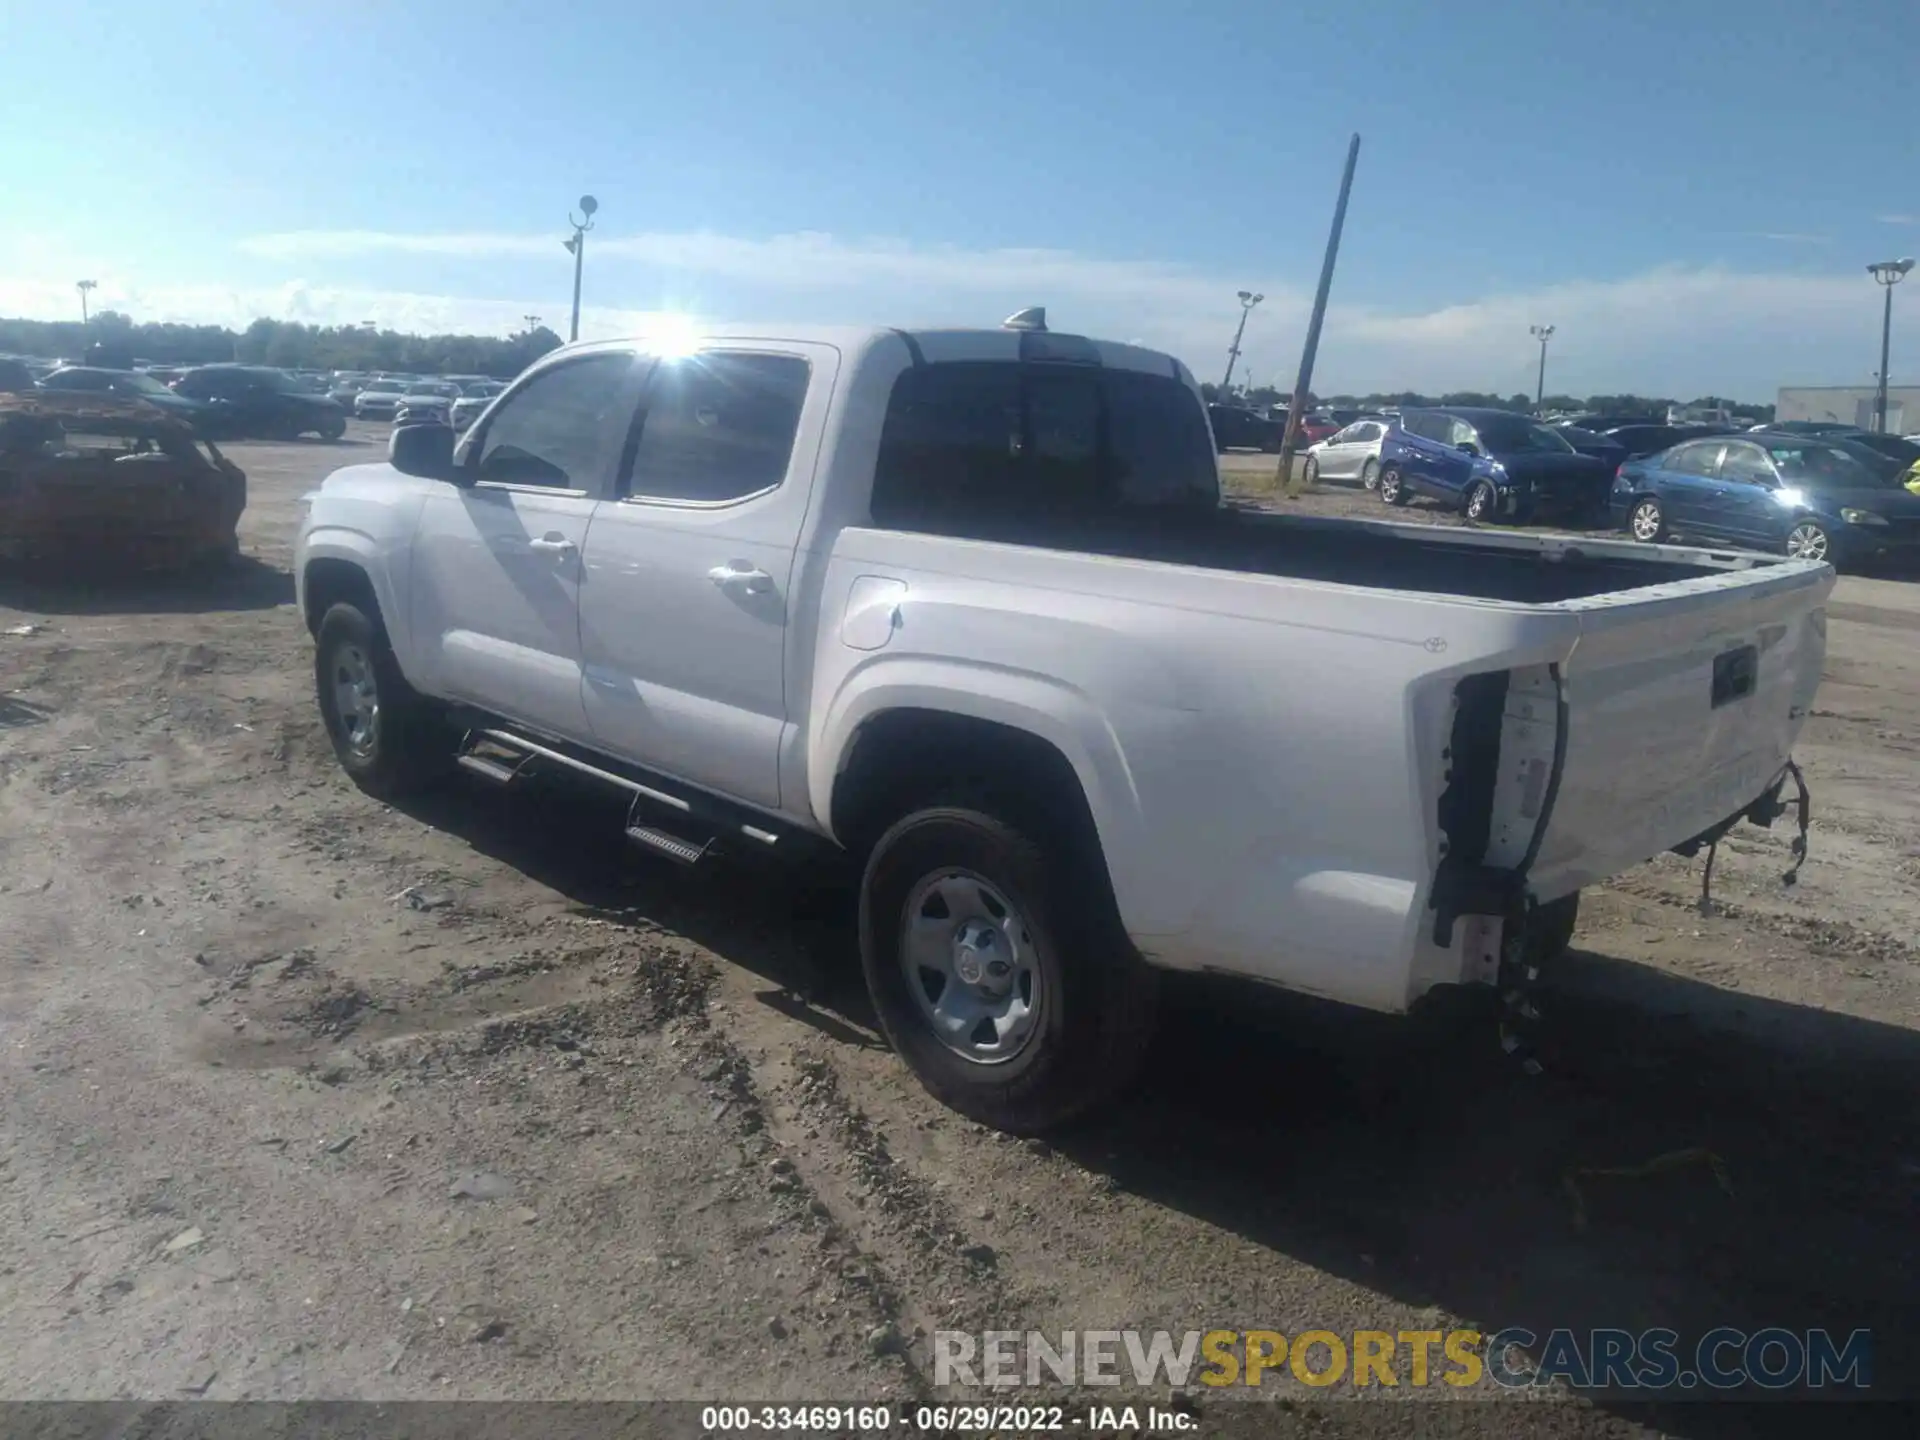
379,399
1317,427
1491,463
129,385
1604,448
982,632
257,401
1237,428
473,400
1807,496
101,482
1646,437
1352,453
16,376
1806,427
344,392
427,402
1896,448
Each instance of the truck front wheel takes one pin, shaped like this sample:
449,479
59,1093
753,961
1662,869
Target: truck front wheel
999,971
387,737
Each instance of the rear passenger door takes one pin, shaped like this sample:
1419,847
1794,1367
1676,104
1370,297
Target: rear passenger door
1743,508
685,602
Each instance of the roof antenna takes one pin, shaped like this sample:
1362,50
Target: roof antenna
1034,317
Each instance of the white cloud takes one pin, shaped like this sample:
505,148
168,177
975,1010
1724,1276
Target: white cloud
1680,330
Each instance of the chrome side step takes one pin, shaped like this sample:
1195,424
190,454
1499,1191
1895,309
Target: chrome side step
488,767
671,846
502,756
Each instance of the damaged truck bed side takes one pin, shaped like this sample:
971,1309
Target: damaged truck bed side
967,605
98,482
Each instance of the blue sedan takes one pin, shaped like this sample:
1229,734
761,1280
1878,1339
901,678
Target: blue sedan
1799,495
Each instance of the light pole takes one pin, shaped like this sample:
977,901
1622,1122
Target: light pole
83,286
577,243
532,322
1247,301
1542,333
1889,273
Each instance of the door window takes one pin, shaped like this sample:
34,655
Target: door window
1460,433
969,445
718,427
1365,433
562,430
1695,460
1747,464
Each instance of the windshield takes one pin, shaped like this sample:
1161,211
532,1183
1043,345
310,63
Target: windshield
1520,437
145,384
433,388
1823,467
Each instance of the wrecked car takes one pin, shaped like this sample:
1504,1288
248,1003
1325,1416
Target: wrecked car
94,481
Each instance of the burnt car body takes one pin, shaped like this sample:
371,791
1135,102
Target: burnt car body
100,483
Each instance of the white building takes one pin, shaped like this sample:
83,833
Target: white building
1850,405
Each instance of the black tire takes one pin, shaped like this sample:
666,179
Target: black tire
1647,521
406,744
333,430
1310,471
1370,475
1482,501
1094,1008
1393,486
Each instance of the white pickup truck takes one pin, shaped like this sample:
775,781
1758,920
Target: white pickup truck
966,605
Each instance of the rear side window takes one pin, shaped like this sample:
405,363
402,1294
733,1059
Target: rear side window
1694,459
718,427
972,442
563,429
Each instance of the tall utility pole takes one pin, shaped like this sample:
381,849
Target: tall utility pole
1247,301
1304,382
532,322
1889,273
83,286
577,243
1542,333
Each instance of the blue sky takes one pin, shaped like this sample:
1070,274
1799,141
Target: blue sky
1689,191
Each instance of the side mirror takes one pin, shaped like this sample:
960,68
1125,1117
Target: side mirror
422,450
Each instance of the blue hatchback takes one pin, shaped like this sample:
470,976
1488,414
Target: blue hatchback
1491,463
1793,494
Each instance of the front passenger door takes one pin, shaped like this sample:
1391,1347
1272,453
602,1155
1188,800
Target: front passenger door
1690,477
497,558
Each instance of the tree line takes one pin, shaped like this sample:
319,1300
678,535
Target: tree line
1654,407
285,344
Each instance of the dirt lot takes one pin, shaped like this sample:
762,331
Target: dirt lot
307,1096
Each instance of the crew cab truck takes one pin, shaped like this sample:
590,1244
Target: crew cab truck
967,607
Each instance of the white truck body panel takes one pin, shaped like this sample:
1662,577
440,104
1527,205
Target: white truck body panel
1264,756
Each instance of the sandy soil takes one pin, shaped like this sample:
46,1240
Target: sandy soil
307,1096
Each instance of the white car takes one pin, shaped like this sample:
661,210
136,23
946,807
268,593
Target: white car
473,400
1072,719
1349,454
378,399
428,401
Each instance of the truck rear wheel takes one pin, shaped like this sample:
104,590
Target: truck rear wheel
998,969
387,737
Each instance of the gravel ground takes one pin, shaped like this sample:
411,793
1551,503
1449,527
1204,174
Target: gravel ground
311,1097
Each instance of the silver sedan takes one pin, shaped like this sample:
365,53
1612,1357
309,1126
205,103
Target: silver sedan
1349,453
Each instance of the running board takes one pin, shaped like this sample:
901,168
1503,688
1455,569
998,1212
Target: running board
671,846
488,768
521,751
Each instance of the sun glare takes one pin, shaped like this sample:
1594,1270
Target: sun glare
674,337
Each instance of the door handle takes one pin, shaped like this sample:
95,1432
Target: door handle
749,579
552,545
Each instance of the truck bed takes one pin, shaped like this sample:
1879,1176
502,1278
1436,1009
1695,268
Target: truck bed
1520,568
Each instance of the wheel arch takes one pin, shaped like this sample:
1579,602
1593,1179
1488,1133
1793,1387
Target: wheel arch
889,740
